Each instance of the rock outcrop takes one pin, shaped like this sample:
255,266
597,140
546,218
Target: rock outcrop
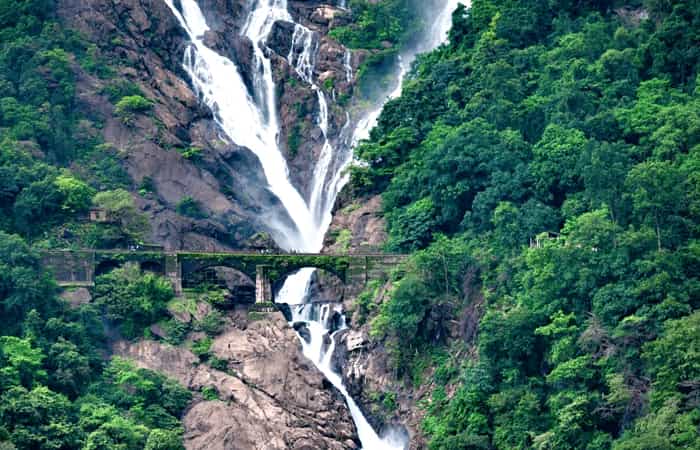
357,227
271,397
144,44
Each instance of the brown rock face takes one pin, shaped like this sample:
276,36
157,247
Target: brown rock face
272,398
145,42
148,43
357,227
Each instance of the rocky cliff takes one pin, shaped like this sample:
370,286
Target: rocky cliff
143,44
270,397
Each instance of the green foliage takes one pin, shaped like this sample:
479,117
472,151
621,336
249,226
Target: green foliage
175,330
201,348
218,363
192,153
24,285
413,318
119,89
294,140
343,240
164,440
365,301
77,195
673,359
211,324
542,168
129,106
374,23
120,208
210,393
54,392
132,299
22,364
191,208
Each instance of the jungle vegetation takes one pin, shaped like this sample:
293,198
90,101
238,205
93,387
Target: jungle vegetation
542,167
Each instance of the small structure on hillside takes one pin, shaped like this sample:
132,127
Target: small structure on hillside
100,215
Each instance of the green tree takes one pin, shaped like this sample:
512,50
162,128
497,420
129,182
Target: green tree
22,362
120,207
164,440
132,299
657,192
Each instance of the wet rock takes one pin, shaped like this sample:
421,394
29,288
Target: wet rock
323,15
303,330
158,331
286,312
335,322
356,340
280,39
325,287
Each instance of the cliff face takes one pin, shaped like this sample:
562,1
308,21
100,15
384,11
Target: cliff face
270,397
144,44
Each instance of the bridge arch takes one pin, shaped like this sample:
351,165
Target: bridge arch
106,266
153,266
237,283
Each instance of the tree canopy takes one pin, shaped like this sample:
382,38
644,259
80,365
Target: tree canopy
547,157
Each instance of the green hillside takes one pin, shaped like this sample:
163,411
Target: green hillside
552,148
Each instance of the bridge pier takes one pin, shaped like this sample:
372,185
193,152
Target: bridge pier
263,286
173,271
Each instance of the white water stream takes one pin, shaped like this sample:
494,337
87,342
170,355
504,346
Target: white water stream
252,121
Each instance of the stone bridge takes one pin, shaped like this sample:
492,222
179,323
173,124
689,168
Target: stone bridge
187,269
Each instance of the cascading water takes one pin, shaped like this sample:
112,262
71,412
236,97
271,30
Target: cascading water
251,121
245,121
321,337
302,56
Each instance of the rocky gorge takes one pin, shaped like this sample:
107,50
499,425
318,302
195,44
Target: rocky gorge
270,396
226,179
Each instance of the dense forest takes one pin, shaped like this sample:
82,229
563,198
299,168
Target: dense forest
58,389
543,169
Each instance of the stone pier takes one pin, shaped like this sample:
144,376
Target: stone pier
263,286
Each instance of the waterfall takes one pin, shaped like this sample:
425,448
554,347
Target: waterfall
247,121
295,289
251,120
319,349
346,64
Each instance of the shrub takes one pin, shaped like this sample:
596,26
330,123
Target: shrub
210,393
191,153
218,363
201,348
120,89
191,208
120,207
211,324
130,105
132,299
